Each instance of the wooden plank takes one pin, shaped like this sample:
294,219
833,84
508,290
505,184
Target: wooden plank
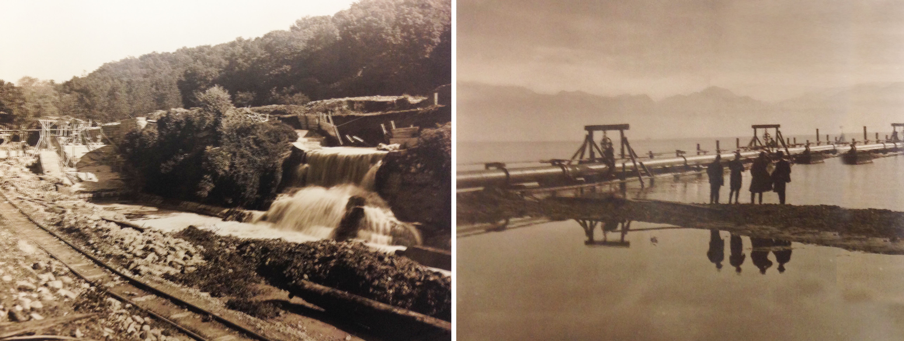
760,126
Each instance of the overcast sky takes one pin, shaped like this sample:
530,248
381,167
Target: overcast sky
55,39
765,49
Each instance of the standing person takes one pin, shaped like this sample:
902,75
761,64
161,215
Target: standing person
716,179
781,176
736,167
609,157
760,181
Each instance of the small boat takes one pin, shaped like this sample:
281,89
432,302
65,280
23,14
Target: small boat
857,158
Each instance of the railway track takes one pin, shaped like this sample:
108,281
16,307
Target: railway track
192,316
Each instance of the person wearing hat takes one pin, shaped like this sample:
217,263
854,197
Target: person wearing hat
736,167
781,176
716,176
759,177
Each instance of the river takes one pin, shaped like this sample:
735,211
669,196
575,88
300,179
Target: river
545,282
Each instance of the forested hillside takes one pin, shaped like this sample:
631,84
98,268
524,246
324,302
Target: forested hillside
376,47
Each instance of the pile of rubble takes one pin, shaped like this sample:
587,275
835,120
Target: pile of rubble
143,253
38,290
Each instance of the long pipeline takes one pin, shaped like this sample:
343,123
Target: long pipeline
505,176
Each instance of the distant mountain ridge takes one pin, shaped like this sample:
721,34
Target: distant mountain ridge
512,113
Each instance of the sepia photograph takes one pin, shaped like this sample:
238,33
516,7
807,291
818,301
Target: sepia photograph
226,170
679,170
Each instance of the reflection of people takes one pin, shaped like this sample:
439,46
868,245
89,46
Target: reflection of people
782,255
737,252
736,167
716,252
760,253
781,176
760,181
716,179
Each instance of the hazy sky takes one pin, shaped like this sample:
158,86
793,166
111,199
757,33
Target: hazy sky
61,39
765,49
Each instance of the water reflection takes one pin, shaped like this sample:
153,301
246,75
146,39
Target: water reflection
716,252
759,254
737,257
611,225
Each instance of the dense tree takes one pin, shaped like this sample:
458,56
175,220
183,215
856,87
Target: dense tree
375,47
212,153
41,97
12,104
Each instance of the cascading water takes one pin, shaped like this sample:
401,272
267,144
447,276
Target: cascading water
317,211
340,165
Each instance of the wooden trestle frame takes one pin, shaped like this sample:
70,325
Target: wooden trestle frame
589,148
770,146
896,136
58,131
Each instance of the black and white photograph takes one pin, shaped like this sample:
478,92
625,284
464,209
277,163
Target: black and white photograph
679,170
226,170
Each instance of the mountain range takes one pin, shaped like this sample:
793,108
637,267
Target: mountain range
511,113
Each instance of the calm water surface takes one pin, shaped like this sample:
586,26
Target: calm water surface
542,282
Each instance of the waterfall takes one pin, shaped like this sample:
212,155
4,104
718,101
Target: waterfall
340,165
317,211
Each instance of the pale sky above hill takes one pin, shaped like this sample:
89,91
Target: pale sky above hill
769,50
56,39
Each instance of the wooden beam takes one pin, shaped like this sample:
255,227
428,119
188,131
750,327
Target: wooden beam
604,127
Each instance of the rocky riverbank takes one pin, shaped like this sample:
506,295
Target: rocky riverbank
223,267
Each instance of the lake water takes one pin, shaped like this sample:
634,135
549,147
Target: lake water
542,282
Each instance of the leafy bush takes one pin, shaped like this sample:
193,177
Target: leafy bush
213,154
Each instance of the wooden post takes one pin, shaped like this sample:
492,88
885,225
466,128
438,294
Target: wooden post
623,177
737,142
718,150
864,134
795,141
698,149
621,139
817,137
590,141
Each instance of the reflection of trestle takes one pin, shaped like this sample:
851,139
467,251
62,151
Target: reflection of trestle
623,226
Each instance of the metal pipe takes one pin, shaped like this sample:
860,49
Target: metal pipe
498,177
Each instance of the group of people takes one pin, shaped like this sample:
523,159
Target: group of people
761,179
759,255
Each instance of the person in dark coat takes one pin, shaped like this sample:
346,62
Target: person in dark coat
759,174
782,255
716,252
781,176
737,252
760,253
609,157
736,167
716,179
